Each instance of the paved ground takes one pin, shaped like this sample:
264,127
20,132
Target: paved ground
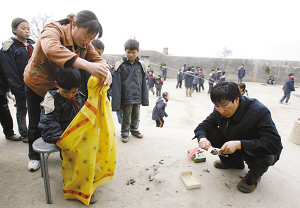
161,154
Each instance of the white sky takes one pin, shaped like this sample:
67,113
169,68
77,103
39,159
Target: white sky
263,29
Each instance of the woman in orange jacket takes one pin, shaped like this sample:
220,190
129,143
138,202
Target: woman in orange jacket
65,43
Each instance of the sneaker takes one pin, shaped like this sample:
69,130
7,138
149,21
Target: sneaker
220,165
24,139
33,165
137,134
286,103
14,137
246,188
125,139
280,102
93,199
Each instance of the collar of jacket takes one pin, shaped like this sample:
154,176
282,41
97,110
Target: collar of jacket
124,60
237,116
137,59
6,44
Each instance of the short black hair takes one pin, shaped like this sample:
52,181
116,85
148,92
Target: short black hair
242,86
68,78
189,68
165,94
223,72
225,91
132,44
98,44
291,74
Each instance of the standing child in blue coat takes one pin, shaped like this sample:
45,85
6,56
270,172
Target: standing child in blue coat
222,77
241,73
188,82
211,80
129,90
15,54
201,80
288,88
196,80
179,78
151,80
158,84
159,110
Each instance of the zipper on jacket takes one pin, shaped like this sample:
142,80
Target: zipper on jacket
227,122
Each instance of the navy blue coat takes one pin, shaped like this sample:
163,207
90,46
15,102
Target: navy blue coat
53,123
188,79
159,109
129,84
4,88
289,85
164,70
201,76
152,81
14,59
159,83
179,76
251,124
241,73
218,75
222,78
212,79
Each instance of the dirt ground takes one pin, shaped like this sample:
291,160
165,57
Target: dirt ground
156,161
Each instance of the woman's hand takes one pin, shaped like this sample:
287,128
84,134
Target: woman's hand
97,69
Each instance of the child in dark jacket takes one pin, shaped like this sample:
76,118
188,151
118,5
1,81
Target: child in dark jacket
158,84
201,80
159,110
129,90
151,80
15,54
222,77
288,88
61,106
211,80
179,78
188,82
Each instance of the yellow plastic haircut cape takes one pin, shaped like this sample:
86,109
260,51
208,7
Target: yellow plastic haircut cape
88,146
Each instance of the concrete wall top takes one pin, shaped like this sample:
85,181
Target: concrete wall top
255,68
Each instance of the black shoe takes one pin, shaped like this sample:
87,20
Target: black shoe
220,165
24,139
245,187
93,199
14,137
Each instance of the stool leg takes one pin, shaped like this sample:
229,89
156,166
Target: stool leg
49,200
42,164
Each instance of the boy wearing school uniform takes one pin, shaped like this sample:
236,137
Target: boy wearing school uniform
288,88
159,112
129,90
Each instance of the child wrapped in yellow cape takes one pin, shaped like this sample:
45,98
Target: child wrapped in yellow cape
88,145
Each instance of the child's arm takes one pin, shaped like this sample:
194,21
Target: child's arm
49,126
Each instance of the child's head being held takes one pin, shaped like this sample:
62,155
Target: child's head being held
165,95
132,49
20,28
98,45
67,81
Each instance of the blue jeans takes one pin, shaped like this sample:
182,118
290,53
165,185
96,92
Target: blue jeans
286,96
21,114
34,111
131,118
240,80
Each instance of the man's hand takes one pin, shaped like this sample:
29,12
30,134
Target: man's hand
230,147
204,143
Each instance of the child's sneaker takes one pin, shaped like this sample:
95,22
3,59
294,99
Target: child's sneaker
137,134
33,165
125,139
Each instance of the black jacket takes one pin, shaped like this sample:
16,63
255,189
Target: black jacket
289,85
159,109
129,84
4,88
57,113
189,78
14,59
251,124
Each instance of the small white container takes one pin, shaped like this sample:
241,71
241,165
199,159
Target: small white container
189,180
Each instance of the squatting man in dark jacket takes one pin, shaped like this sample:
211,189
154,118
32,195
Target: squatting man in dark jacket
244,130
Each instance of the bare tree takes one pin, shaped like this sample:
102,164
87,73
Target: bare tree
225,52
37,24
